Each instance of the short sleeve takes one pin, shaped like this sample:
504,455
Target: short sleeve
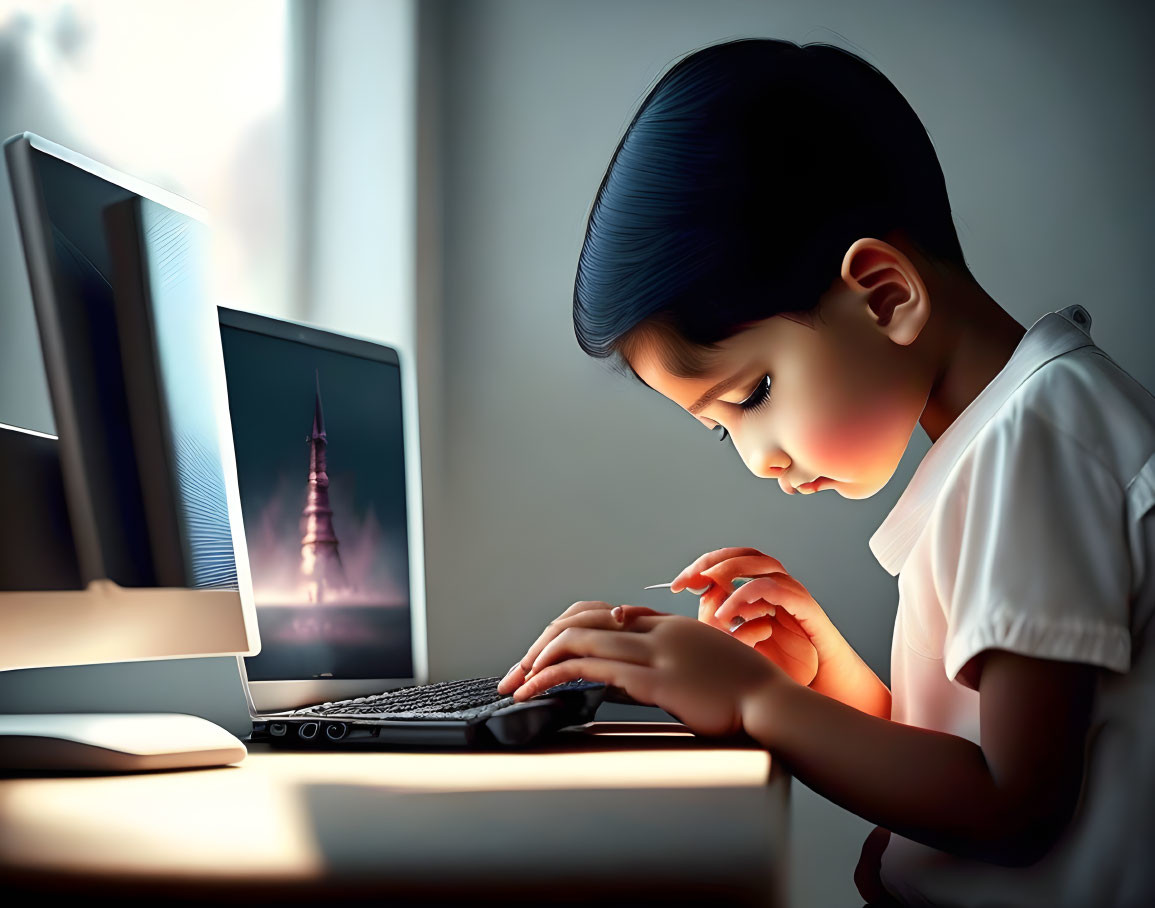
1031,551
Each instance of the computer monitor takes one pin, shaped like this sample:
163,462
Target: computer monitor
132,354
326,454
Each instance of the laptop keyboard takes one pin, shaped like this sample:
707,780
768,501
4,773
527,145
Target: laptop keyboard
465,699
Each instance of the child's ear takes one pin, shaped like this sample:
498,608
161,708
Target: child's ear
890,285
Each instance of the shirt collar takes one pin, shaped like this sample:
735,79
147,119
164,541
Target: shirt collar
1052,335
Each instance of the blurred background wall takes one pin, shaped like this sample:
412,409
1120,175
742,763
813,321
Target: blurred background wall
163,92
420,172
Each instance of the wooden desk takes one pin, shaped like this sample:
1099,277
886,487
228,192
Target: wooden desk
620,814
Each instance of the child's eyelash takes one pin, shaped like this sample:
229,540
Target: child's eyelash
759,397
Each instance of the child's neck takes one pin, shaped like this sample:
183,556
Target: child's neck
971,337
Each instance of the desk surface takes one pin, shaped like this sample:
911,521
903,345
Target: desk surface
621,811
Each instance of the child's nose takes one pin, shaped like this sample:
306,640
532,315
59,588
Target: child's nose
770,464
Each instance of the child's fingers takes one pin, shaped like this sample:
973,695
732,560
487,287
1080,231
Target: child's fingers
635,680
634,617
792,583
690,575
602,644
582,605
706,609
589,617
722,577
768,589
747,611
721,586
755,565
755,630
596,615
708,604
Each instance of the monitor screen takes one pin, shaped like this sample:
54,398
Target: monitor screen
85,366
142,470
318,434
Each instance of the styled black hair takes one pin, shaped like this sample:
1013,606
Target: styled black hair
743,178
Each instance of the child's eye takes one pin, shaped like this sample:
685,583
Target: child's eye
758,396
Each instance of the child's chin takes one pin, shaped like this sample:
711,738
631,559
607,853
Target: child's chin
856,491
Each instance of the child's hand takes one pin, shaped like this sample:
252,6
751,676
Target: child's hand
692,671
716,572
781,620
587,613
783,623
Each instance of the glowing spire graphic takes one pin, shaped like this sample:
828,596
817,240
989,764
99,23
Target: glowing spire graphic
321,569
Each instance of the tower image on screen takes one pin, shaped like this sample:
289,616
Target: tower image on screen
321,570
329,560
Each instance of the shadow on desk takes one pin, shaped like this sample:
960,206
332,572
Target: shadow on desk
618,818
548,846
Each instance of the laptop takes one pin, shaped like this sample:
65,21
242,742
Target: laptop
329,491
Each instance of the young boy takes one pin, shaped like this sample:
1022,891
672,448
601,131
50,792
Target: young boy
772,250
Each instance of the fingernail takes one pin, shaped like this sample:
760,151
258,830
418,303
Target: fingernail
616,611
512,669
698,591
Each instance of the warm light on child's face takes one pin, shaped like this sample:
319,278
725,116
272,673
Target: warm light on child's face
842,404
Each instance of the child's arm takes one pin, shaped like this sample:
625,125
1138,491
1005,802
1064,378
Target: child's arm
1004,801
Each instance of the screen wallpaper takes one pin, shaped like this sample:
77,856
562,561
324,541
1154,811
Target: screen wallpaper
321,470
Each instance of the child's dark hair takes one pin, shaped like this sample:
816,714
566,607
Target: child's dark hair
733,196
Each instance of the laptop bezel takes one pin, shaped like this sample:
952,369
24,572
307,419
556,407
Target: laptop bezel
270,697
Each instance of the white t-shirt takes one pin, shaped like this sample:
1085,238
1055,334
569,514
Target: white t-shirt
1030,526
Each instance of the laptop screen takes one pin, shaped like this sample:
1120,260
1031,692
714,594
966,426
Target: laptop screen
318,435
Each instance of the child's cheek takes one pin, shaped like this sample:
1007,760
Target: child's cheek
854,440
